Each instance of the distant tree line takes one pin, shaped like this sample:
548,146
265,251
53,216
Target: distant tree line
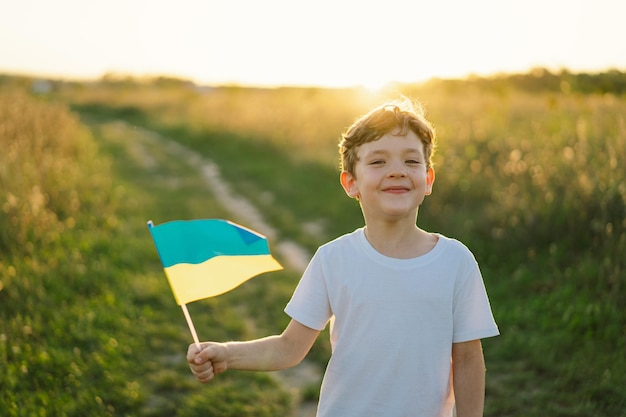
612,81
542,80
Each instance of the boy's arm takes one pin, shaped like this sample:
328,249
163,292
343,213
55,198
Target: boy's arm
468,367
268,354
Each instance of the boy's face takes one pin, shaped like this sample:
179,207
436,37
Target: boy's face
390,177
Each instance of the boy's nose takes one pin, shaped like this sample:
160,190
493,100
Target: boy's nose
397,170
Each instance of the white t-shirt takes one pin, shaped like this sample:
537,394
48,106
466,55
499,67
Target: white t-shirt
393,323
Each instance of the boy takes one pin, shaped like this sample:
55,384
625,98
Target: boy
407,308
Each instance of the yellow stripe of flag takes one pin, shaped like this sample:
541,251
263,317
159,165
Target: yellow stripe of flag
192,282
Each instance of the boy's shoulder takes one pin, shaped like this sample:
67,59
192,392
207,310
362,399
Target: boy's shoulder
452,242
454,245
343,240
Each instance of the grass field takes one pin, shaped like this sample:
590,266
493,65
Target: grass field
533,183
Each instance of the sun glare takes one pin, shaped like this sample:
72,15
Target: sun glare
384,47
375,85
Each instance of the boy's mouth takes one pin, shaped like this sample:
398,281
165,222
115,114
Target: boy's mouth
396,189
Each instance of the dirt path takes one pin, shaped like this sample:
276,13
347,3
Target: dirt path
296,257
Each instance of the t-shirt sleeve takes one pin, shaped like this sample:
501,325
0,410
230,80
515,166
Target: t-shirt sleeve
473,318
309,304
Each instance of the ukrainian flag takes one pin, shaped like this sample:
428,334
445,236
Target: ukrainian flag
205,258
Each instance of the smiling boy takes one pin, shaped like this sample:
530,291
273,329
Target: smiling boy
407,308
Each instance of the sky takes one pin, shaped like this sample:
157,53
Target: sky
332,43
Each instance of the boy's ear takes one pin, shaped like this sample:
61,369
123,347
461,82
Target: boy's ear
348,182
430,180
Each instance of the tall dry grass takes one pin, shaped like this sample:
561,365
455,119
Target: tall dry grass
43,187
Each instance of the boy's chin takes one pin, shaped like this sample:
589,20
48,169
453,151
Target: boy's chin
394,213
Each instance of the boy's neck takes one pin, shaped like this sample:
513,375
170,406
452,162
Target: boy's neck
400,240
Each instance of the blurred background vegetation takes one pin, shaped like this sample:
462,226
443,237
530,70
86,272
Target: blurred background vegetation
530,175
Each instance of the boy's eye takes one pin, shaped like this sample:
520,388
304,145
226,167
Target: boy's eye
413,161
377,162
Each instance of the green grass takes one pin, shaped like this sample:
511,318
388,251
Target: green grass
89,325
531,182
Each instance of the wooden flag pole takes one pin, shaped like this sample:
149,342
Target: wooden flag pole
191,326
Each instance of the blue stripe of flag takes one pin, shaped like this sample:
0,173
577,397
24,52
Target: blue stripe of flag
196,241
